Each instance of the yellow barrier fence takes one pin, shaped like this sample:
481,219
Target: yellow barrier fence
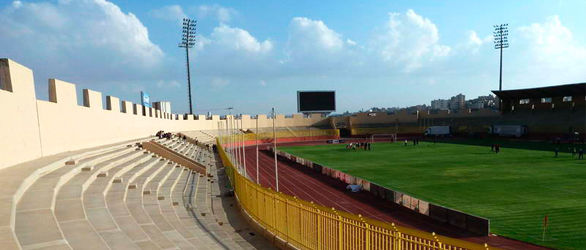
306,225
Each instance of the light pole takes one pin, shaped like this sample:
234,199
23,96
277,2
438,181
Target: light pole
501,42
187,42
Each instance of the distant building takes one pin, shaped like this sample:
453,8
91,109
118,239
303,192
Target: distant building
483,102
475,105
440,104
457,102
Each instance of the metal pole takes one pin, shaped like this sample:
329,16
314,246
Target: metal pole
188,79
232,142
236,141
501,68
257,180
275,151
229,134
243,148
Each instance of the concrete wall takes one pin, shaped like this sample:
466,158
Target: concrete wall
32,128
19,127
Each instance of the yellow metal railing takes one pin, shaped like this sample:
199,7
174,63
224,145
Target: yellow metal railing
307,225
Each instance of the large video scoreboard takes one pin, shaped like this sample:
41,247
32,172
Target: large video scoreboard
316,101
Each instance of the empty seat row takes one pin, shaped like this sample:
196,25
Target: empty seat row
116,197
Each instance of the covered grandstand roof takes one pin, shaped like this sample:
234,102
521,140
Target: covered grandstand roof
575,89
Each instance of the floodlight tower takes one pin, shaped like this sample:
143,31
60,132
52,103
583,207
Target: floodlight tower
187,42
501,42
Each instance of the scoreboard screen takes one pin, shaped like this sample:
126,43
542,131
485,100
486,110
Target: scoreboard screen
316,101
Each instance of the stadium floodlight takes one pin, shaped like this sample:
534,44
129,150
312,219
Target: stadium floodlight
501,33
187,42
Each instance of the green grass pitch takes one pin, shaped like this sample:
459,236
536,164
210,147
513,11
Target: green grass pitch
515,188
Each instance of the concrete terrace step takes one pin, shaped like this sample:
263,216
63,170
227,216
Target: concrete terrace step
115,203
69,207
134,203
167,206
114,197
91,232
36,205
15,181
151,205
129,224
97,213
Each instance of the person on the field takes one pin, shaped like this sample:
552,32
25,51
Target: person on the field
497,148
581,154
405,142
492,147
557,150
573,152
369,146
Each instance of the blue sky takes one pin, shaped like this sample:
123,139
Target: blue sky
253,55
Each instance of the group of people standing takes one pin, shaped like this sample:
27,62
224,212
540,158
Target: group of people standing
573,144
415,142
573,151
495,148
362,145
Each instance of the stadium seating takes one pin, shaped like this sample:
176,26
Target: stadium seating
114,197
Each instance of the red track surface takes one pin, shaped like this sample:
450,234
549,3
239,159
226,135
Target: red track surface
299,181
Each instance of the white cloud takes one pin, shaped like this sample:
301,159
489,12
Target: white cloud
550,53
410,40
17,4
239,39
222,14
313,48
170,13
232,52
554,42
474,42
309,35
474,39
78,39
350,42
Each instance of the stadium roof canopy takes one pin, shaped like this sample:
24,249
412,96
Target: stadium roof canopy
575,89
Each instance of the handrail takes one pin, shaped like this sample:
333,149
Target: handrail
167,153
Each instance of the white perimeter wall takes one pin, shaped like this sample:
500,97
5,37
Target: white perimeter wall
31,128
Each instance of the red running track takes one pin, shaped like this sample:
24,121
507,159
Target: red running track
297,180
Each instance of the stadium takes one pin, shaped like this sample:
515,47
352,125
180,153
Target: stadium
86,164
73,174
